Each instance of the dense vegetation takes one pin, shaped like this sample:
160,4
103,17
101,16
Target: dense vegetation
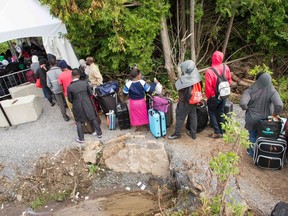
158,35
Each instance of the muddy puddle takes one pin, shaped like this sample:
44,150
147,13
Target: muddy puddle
120,204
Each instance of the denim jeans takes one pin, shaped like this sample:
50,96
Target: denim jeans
216,110
252,139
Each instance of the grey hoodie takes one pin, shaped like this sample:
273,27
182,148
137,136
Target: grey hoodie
260,101
52,79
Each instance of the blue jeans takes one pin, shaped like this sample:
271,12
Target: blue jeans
216,110
252,139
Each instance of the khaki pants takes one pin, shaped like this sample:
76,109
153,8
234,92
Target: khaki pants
69,106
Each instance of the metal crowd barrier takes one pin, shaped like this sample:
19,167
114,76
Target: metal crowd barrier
11,80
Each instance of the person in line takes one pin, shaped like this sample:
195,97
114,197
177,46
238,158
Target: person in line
95,76
41,74
83,67
64,80
189,77
214,103
257,101
136,88
79,95
19,53
35,64
52,82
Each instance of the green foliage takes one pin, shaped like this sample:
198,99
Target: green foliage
115,35
38,202
93,168
282,87
60,196
268,24
258,69
224,164
3,47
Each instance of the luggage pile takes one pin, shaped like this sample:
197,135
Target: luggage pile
271,145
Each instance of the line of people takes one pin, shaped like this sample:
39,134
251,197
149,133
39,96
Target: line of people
71,88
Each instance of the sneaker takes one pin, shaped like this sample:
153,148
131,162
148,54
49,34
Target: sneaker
52,104
174,136
79,141
66,118
192,135
98,135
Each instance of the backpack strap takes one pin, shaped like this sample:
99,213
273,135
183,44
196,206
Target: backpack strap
218,76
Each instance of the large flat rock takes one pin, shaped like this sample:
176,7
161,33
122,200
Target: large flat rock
136,154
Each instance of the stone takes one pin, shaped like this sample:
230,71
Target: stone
130,155
23,109
90,156
26,89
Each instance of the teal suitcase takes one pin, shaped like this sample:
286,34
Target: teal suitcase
157,123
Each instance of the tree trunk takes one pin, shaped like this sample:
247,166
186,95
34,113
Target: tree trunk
227,35
198,36
192,31
167,50
182,19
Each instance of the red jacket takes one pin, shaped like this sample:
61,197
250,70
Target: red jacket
211,77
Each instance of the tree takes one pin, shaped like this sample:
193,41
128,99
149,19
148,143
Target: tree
117,32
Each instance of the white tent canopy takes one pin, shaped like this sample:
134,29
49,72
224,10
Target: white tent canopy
28,18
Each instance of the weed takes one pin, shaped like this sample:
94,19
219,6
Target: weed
38,202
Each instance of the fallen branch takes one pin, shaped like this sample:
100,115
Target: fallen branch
240,81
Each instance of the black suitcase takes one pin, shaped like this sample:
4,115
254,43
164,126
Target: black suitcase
270,153
123,116
281,209
169,114
202,118
228,108
108,102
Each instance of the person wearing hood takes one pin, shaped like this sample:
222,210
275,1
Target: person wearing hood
259,101
190,76
35,64
214,103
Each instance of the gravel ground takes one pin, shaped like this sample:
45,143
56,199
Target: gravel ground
22,145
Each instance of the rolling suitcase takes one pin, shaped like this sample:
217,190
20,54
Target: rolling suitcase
157,123
123,116
111,120
169,114
270,153
87,127
228,107
107,103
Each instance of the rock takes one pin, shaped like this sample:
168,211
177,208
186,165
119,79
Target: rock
90,156
19,197
127,154
91,151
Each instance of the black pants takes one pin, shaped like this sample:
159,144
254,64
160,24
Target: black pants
94,124
183,109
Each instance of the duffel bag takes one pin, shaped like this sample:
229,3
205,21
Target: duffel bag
107,88
160,104
269,128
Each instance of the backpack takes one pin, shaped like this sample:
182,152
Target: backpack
195,94
222,85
